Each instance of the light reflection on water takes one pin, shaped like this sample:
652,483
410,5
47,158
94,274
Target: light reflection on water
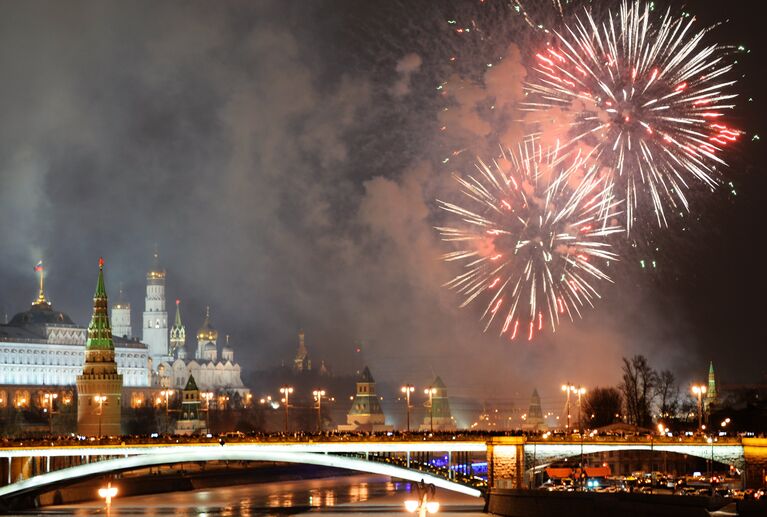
279,499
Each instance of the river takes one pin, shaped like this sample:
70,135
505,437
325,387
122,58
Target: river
348,496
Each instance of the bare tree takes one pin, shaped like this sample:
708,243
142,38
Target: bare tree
667,393
638,388
602,407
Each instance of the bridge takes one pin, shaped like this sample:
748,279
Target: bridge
31,469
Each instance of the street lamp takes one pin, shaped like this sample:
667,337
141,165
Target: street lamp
581,391
107,493
408,389
430,391
49,401
207,396
286,391
318,394
699,390
568,388
100,399
167,394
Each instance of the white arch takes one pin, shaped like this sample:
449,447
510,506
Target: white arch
231,454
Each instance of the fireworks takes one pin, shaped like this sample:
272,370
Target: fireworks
533,239
647,95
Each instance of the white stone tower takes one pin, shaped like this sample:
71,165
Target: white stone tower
155,325
178,335
121,326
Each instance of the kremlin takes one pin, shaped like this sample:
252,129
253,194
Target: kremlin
44,354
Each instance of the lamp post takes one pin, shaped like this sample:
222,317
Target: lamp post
430,391
49,401
581,391
100,399
286,391
408,389
167,394
318,394
207,396
699,390
567,388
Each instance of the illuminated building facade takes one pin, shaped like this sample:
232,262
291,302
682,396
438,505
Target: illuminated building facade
213,371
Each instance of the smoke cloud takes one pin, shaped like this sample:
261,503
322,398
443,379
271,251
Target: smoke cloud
282,187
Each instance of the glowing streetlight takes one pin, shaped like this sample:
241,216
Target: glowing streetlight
207,396
286,391
107,493
318,394
408,389
568,388
48,397
431,391
100,399
580,391
167,394
425,502
699,390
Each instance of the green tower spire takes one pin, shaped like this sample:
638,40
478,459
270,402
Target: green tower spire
711,394
99,330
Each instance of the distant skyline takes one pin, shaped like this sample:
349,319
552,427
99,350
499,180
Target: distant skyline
285,158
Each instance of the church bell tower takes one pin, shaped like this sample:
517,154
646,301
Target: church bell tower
155,324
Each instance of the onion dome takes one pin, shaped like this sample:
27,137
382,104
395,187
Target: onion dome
207,332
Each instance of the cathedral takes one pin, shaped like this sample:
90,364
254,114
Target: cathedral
42,352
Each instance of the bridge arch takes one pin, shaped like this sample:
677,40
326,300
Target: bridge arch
537,454
48,481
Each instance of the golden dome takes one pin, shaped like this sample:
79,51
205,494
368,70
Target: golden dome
207,332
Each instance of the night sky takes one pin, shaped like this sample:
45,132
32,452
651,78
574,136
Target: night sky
285,158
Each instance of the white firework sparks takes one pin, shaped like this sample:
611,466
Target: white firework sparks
647,94
533,234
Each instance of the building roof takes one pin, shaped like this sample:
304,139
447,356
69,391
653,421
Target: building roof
14,333
99,330
207,332
40,314
366,376
191,385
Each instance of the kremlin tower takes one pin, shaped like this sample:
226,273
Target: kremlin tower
155,325
178,336
302,363
99,388
121,326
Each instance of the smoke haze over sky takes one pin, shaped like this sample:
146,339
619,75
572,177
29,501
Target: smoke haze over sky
285,158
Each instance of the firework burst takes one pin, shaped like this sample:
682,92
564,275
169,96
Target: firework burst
532,238
646,94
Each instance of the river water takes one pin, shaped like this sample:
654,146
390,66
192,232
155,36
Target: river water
347,496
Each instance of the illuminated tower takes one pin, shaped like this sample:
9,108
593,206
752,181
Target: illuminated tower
99,388
534,420
366,413
438,415
302,363
121,318
178,335
711,393
155,325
